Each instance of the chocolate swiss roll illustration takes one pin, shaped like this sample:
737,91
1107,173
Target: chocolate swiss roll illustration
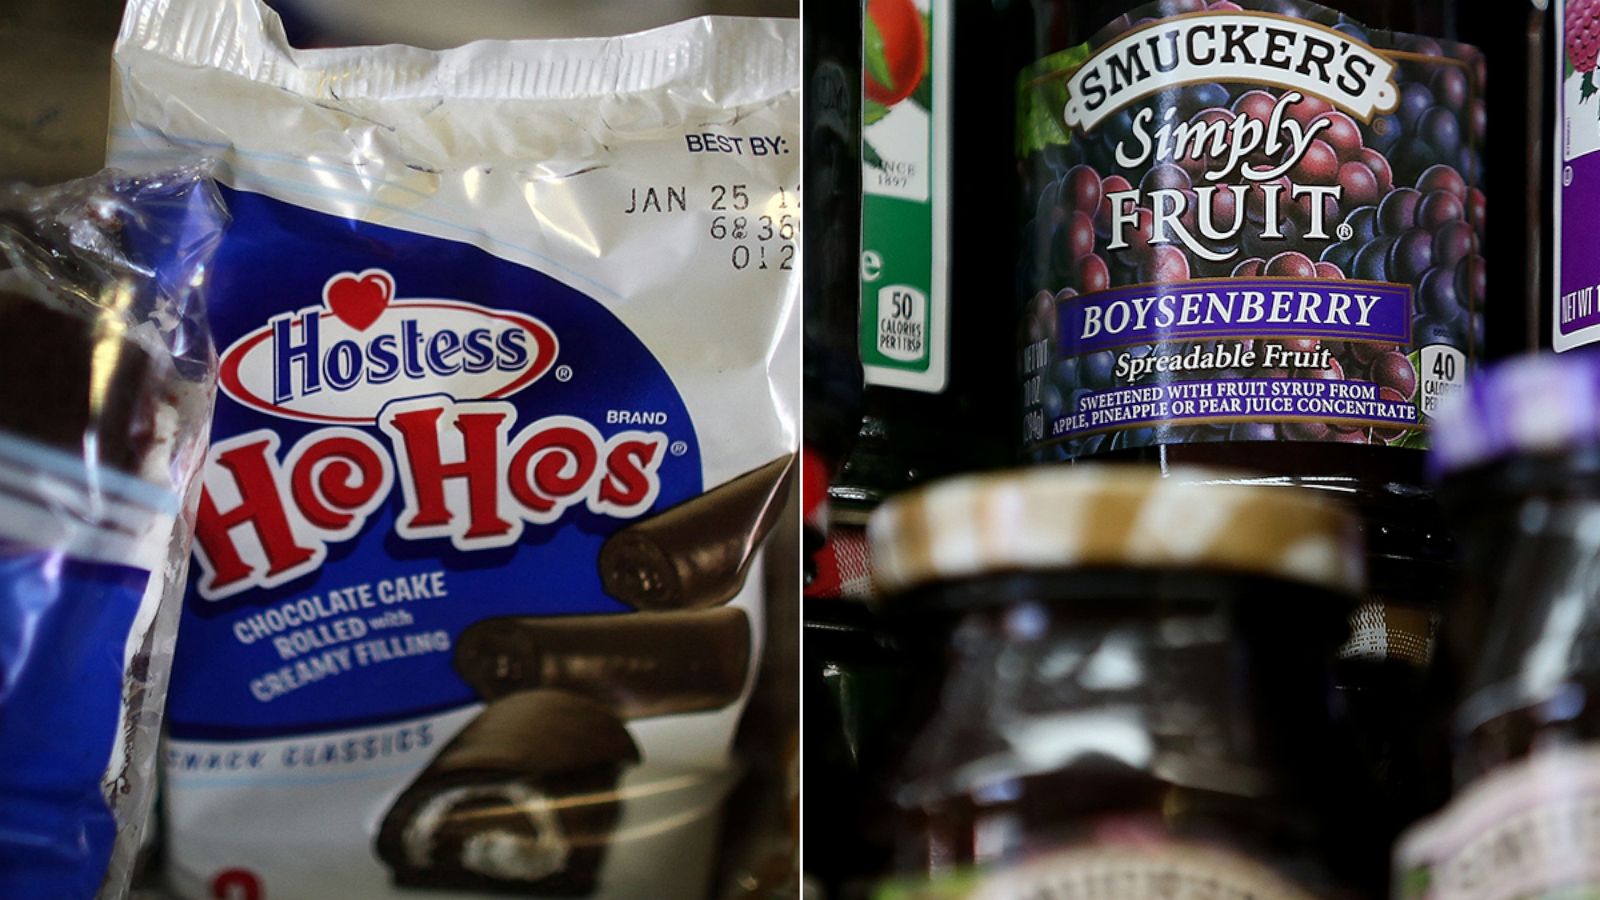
522,801
695,554
637,664
63,377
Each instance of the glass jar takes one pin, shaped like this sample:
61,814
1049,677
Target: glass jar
1257,231
1520,462
1137,696
831,201
938,182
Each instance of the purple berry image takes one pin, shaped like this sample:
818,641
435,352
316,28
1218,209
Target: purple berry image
1066,374
1308,109
1255,199
1340,436
1102,219
1049,207
1081,190
1305,431
1366,352
1470,164
1426,330
1441,177
1098,370
1475,209
1383,133
1256,104
1442,130
1371,262
1329,271
1079,237
1398,212
1041,322
1334,372
1340,256
1249,268
1360,186
1318,165
1343,135
1381,170
1412,255
1165,176
1363,222
1472,282
1166,265
1253,431
1093,276
1393,370
1415,100
1050,399
1453,242
1476,121
1290,264
1436,294
1449,84
1439,207
1422,45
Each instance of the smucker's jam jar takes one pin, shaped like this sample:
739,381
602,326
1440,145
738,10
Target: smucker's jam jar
1259,232
1520,459
1137,698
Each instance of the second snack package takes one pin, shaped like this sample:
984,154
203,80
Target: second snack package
507,405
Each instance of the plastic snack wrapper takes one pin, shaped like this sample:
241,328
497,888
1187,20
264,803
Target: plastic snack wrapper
106,381
509,364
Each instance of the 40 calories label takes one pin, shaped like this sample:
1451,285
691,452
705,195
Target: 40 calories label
1251,222
906,186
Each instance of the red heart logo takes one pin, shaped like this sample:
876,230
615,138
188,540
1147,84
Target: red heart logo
358,300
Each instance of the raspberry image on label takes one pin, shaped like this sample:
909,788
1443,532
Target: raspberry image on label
1582,21
1249,221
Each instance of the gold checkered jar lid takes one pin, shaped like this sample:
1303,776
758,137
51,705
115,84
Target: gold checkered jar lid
1114,517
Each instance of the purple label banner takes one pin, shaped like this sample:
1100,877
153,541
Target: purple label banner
1260,399
1577,308
1227,308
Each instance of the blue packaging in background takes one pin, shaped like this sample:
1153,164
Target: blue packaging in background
106,380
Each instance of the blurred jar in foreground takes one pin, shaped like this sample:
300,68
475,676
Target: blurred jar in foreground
1146,704
1519,456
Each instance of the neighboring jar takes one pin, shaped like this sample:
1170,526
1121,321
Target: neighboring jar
1519,456
938,192
831,208
1138,692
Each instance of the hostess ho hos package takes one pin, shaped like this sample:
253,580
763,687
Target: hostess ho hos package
508,375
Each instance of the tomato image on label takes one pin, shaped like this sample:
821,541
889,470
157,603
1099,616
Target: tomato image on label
896,50
1248,226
